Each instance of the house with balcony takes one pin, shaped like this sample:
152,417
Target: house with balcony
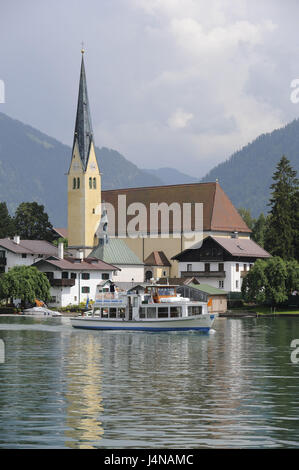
220,262
74,280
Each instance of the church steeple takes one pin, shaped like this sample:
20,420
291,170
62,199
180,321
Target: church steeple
83,128
84,178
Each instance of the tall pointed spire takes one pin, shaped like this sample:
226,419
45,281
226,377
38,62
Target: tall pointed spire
83,127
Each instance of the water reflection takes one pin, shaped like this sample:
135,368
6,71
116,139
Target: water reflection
78,389
83,373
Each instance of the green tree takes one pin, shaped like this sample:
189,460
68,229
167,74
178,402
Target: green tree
6,222
247,217
259,230
271,281
276,279
295,222
32,222
253,286
26,283
292,280
280,235
61,240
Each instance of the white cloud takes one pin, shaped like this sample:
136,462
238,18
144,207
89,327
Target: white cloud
179,119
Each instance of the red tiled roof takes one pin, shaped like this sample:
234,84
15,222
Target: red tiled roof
157,258
219,214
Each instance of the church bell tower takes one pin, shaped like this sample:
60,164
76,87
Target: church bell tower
84,178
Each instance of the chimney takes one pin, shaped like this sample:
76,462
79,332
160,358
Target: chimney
81,255
60,250
16,239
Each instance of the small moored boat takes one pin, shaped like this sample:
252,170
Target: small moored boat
40,309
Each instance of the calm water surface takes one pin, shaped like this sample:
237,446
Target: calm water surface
66,388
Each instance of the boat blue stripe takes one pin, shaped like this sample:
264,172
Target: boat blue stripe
200,328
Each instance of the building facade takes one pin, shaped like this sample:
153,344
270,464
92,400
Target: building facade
74,280
220,262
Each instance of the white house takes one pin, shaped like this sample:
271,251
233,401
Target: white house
74,280
16,252
220,262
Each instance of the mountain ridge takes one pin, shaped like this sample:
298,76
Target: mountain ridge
33,167
246,176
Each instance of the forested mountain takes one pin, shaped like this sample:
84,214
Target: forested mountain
33,167
247,175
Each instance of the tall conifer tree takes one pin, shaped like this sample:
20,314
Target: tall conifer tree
280,236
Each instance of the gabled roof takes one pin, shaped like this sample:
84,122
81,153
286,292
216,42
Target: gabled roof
61,232
34,247
157,258
83,128
238,247
242,247
71,264
116,252
219,214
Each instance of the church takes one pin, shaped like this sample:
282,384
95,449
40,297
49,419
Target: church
145,253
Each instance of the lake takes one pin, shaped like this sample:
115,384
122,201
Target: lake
67,388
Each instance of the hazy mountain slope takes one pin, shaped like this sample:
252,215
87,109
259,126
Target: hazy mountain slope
171,176
247,175
33,167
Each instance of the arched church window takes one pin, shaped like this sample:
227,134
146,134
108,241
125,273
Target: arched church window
74,183
94,183
90,183
78,183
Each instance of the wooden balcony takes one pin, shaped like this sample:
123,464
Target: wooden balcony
209,274
62,282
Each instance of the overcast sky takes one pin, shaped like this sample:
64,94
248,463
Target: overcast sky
181,83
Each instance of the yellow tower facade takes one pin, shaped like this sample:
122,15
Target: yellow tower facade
84,178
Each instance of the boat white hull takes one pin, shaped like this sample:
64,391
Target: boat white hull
200,323
41,312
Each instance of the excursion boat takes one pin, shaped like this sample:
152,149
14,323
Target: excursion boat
146,308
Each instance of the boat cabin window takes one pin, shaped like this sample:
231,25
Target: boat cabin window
112,313
142,313
194,310
163,312
151,312
175,312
